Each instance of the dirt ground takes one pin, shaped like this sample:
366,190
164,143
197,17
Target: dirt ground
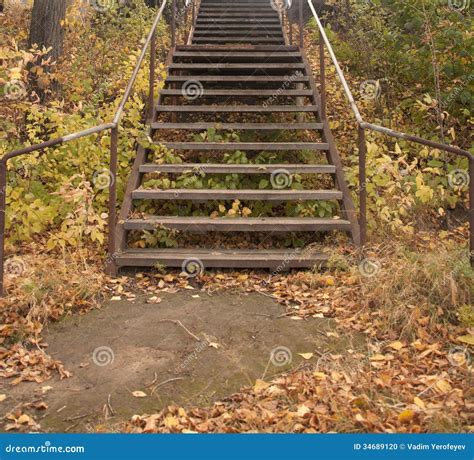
187,348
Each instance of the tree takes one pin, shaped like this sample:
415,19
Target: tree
46,25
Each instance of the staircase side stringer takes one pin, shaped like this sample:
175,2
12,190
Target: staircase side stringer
349,211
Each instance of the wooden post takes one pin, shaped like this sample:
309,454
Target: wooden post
362,186
322,72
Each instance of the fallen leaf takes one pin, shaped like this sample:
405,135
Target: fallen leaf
303,410
306,355
406,416
3,397
444,386
260,385
419,402
139,394
469,339
397,345
24,419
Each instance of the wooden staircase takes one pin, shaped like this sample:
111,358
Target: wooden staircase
239,78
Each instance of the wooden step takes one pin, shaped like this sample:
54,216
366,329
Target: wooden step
236,66
222,194
206,92
238,78
245,146
237,54
238,126
277,259
209,168
236,108
254,33
244,39
238,224
252,48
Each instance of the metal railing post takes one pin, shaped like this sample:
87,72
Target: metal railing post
291,31
322,72
173,23
471,210
112,195
151,93
301,23
3,200
362,186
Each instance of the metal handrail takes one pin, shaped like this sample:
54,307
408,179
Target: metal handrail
112,126
363,126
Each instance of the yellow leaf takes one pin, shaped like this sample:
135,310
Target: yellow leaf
469,339
396,345
260,385
171,422
23,419
306,355
139,394
319,375
444,386
406,416
419,402
3,397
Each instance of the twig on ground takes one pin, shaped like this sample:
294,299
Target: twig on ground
179,323
165,382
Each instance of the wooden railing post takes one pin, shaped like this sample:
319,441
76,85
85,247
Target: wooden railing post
301,22
3,205
322,69
151,93
173,23
112,199
362,186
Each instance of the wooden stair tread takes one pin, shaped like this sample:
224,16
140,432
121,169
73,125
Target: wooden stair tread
237,78
243,258
208,168
245,146
238,126
236,108
255,224
240,194
236,66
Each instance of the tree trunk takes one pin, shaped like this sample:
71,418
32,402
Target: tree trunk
45,28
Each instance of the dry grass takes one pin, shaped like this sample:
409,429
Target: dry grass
409,285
